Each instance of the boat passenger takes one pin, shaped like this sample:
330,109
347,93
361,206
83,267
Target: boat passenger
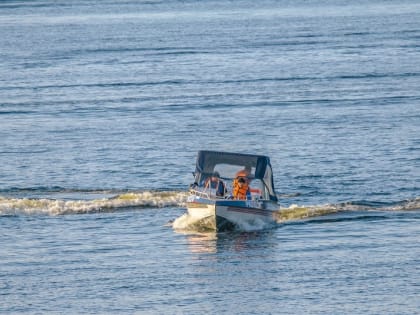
214,182
240,189
243,173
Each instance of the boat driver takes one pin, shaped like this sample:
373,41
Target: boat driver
214,182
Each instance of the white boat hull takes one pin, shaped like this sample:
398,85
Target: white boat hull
230,214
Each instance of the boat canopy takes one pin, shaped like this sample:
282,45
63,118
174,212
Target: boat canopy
228,165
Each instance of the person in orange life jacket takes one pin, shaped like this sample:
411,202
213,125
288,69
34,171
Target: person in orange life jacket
214,182
240,189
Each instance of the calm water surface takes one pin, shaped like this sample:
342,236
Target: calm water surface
103,106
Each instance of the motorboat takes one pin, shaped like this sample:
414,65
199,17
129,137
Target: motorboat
214,202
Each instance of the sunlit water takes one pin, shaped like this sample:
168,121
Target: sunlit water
104,105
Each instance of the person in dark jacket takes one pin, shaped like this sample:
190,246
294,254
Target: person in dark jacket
214,182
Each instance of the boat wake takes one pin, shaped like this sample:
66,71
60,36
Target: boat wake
295,212
60,203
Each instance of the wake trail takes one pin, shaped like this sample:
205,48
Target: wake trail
46,206
60,202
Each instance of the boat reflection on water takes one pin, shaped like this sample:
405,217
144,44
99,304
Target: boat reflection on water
202,242
236,242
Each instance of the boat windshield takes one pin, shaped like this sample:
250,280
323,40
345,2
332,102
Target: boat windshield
227,166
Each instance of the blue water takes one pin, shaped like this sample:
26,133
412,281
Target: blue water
104,105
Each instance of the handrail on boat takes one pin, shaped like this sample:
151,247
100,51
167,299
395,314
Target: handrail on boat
205,194
199,193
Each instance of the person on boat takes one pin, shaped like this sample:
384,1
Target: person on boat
243,173
240,187
214,182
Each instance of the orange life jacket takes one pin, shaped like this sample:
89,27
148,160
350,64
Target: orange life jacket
240,192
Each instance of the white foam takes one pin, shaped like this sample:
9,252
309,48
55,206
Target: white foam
154,199
182,222
188,223
408,205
